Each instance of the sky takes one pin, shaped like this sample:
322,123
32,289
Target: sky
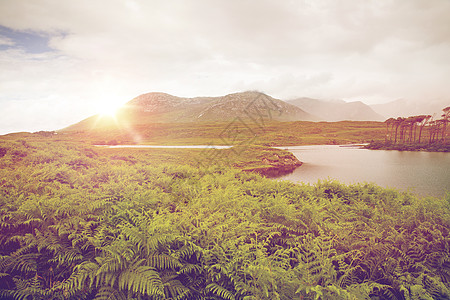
62,61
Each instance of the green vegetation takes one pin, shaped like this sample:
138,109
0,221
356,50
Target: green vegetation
234,133
434,147
260,159
82,222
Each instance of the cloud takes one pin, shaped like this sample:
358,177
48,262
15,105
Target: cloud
4,41
97,50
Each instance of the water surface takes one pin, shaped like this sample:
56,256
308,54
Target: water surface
169,146
424,173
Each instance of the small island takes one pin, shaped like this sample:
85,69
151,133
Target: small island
266,161
416,133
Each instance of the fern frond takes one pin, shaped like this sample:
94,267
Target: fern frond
190,268
143,279
435,287
24,263
163,262
68,257
7,294
108,293
219,291
174,289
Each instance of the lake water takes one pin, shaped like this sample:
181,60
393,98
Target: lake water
424,173
168,146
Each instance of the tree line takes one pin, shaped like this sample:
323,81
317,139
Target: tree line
411,129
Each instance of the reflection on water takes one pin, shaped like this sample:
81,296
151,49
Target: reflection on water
424,173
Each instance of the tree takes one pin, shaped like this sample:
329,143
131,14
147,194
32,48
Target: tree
424,119
389,123
398,122
410,123
446,119
434,129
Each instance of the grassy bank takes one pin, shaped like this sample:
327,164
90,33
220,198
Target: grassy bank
434,147
249,158
79,222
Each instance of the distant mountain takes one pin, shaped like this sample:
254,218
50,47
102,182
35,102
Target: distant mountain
406,108
164,108
337,110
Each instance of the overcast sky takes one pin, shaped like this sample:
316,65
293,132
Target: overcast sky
60,61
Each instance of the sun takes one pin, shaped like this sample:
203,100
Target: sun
108,108
108,111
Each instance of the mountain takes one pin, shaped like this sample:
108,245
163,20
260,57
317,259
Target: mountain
406,108
164,108
252,105
337,110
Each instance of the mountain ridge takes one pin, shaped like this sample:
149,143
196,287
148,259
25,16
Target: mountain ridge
252,106
157,107
406,108
334,111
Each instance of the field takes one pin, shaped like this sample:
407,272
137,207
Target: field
85,222
232,133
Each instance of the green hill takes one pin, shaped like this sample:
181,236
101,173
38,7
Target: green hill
153,108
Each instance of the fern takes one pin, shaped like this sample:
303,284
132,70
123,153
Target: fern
77,223
219,291
107,293
142,280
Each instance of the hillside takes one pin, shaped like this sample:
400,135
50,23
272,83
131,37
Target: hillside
239,118
153,108
334,111
406,108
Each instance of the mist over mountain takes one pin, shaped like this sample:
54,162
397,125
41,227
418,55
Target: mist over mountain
339,110
406,108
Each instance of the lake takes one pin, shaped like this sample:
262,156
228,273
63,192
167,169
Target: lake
423,173
168,146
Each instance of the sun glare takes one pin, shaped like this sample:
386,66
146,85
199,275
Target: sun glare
108,109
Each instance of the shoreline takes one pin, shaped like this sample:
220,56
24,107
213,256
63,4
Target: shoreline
443,148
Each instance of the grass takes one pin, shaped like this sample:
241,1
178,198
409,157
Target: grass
233,133
244,136
245,157
433,147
